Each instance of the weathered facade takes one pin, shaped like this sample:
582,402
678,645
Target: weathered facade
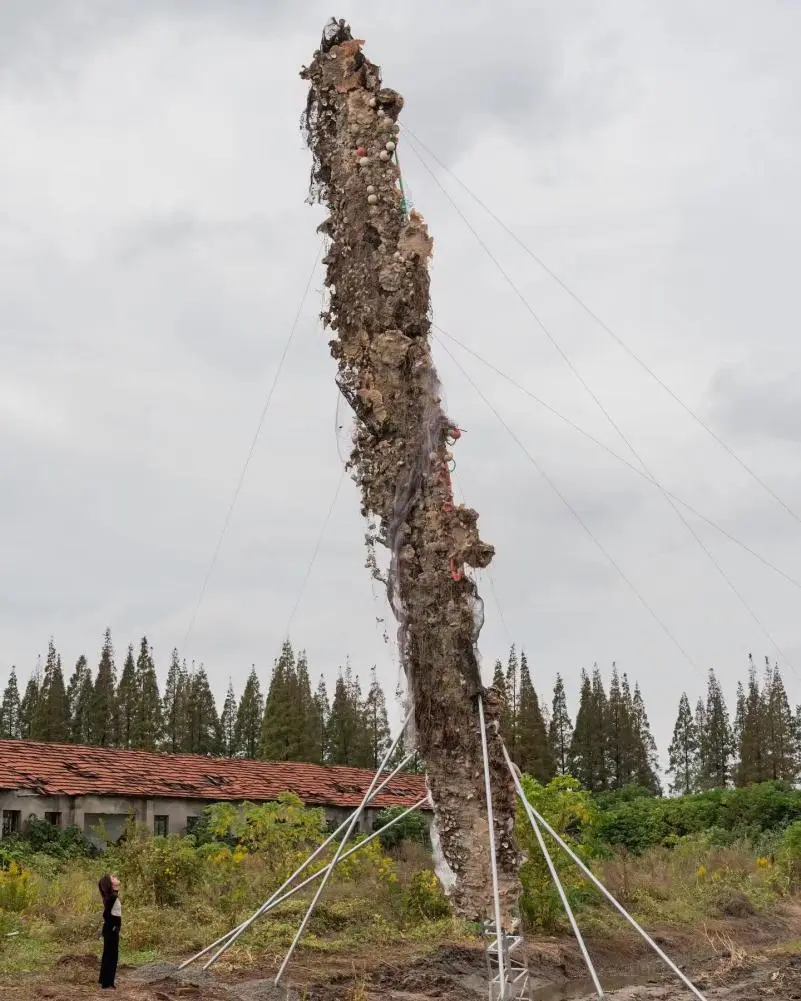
99,789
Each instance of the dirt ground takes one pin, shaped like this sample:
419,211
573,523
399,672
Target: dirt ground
736,960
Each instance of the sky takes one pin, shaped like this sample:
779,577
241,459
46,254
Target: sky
155,244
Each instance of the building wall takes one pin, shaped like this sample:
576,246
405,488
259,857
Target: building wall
30,803
111,813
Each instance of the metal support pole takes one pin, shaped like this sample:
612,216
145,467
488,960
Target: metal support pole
619,907
234,933
274,901
554,875
499,932
351,851
353,821
230,937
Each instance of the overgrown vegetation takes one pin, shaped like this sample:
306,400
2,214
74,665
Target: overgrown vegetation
637,822
179,893
723,853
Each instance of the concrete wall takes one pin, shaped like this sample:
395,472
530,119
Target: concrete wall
87,813
179,811
31,804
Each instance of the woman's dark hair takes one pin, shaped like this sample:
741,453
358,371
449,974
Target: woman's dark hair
105,887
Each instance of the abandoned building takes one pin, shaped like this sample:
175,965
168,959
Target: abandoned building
99,789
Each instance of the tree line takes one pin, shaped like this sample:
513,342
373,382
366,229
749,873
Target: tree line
709,750
125,709
607,746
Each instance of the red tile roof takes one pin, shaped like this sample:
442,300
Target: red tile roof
75,770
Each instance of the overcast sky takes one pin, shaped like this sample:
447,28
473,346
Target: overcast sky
154,248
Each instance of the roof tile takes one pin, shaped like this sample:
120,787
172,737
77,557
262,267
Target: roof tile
75,770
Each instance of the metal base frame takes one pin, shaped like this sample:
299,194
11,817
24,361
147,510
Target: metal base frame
507,954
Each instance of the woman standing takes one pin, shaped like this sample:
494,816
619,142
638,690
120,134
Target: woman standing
109,887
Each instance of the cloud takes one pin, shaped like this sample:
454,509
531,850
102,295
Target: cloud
759,400
154,246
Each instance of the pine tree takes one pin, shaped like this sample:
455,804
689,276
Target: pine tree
701,726
10,709
512,692
247,732
148,723
560,728
716,739
204,735
376,721
364,750
752,765
52,717
505,718
345,733
126,701
79,697
322,711
308,742
534,756
29,707
588,746
282,724
175,706
683,751
103,724
646,763
228,722
621,741
782,738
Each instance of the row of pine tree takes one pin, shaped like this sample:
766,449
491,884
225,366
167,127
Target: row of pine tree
126,709
763,743
609,745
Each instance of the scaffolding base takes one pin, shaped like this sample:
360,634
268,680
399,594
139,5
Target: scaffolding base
515,985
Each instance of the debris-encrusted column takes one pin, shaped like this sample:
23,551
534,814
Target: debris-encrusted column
379,307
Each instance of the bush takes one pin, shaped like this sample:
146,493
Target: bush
426,898
160,871
639,822
17,888
65,843
571,813
788,857
413,827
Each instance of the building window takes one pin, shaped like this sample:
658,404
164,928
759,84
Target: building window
161,826
191,824
53,817
12,822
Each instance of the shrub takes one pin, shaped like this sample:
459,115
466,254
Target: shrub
413,827
156,870
788,857
571,813
639,822
426,898
65,843
17,888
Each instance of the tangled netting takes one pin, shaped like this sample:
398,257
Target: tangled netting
378,280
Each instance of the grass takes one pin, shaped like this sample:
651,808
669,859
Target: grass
177,899
691,882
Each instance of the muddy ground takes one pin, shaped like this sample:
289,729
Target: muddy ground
736,960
